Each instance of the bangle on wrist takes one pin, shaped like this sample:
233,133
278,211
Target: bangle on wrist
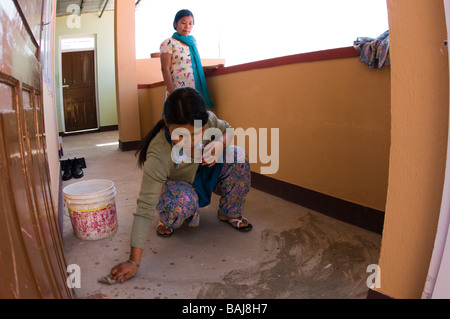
130,261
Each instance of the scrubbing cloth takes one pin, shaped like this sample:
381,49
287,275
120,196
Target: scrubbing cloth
108,280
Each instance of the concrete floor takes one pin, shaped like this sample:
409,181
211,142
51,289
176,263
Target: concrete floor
292,252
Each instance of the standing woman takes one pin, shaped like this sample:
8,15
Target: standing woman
180,61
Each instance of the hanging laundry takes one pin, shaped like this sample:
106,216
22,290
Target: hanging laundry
373,52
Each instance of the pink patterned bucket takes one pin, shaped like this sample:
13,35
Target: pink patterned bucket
92,208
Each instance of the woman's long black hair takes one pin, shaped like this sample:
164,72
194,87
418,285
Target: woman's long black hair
183,106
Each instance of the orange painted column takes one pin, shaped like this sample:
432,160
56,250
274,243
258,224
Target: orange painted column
419,130
126,80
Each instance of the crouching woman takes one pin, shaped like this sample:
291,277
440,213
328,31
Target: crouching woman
180,174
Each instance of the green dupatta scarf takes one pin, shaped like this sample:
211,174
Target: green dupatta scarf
199,75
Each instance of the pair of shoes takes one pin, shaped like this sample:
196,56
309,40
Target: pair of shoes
163,235
239,221
72,168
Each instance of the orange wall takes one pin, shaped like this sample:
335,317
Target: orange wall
334,121
126,83
149,70
150,107
420,104
333,117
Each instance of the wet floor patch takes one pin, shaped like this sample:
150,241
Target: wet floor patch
312,260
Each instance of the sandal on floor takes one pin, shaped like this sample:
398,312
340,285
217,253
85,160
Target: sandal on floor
163,235
239,221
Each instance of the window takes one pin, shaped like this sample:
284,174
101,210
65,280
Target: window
78,43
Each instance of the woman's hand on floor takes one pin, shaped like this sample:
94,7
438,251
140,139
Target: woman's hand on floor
124,271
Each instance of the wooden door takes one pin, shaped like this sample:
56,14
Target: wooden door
32,263
78,79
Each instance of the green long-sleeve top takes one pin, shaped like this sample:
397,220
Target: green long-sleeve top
159,167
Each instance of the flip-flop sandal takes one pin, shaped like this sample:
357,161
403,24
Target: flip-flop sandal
239,221
163,235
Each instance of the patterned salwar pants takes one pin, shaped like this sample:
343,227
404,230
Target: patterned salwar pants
179,202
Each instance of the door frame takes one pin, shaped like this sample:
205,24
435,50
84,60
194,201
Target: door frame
61,95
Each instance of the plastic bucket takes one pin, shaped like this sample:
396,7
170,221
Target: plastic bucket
91,206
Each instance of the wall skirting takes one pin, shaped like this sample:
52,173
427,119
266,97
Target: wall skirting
129,146
107,128
364,217
373,294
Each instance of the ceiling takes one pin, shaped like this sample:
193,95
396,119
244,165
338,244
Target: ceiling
62,6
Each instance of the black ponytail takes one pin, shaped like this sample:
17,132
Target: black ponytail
145,142
183,106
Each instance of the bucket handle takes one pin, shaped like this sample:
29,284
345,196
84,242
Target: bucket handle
66,209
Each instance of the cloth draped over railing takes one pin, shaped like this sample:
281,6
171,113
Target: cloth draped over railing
373,52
